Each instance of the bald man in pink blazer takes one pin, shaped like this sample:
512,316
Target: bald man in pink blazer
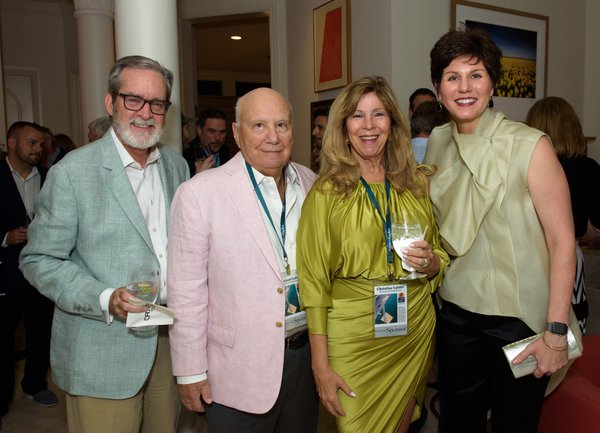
228,342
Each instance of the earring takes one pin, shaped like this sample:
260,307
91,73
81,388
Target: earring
491,103
438,107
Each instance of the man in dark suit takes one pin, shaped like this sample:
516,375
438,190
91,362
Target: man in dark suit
208,149
21,180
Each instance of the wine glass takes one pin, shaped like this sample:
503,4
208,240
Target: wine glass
146,288
404,232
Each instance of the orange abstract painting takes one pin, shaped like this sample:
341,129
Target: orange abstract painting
331,56
331,43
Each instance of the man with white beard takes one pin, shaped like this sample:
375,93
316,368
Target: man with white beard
101,219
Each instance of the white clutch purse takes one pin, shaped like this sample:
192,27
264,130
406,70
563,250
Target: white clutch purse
528,366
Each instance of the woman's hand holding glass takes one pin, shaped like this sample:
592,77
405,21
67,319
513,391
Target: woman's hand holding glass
415,252
419,255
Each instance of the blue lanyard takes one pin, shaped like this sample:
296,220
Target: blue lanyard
261,199
387,221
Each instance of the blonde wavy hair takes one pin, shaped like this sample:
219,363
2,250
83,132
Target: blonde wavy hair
338,166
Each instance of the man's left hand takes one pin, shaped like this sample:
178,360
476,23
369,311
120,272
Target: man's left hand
194,395
119,305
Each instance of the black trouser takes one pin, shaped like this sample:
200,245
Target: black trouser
295,411
474,375
36,311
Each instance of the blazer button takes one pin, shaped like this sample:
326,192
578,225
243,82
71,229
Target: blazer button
278,324
279,290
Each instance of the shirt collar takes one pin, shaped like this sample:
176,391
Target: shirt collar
291,176
34,171
127,159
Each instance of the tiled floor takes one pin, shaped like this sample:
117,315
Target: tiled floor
26,417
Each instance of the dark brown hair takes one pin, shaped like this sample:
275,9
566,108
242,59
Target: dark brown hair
426,117
19,125
476,43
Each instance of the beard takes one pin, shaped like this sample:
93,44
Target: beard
215,146
141,140
31,159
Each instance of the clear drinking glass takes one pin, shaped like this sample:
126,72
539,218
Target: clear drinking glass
146,288
407,230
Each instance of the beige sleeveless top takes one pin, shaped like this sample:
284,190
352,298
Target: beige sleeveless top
487,220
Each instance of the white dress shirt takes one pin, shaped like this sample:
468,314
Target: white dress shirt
147,187
28,188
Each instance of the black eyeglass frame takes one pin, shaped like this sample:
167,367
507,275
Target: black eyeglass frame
124,96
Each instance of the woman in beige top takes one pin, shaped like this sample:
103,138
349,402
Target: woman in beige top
502,204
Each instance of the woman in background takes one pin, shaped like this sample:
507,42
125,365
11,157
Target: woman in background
368,177
64,142
557,118
502,204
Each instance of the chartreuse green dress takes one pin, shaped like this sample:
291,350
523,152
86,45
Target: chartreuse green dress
341,256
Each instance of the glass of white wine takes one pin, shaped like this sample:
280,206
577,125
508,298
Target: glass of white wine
404,232
145,287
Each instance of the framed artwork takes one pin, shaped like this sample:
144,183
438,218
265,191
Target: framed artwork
523,39
331,45
319,114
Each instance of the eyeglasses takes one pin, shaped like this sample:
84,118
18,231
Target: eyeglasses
135,103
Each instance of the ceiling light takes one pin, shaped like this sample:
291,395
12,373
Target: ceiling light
236,38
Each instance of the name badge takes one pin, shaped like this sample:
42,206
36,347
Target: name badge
391,310
295,319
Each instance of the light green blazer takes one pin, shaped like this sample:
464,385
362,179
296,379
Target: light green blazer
87,235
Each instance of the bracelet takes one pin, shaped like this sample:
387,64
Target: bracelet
555,348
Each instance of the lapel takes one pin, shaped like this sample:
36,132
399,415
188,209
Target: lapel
117,181
12,198
167,178
239,188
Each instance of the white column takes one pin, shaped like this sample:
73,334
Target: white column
96,49
149,28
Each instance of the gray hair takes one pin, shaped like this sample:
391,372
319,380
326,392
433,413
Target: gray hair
137,62
99,126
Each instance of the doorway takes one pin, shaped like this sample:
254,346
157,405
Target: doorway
225,68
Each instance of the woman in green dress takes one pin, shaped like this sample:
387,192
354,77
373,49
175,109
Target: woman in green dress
371,334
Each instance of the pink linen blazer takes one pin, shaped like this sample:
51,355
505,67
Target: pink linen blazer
224,285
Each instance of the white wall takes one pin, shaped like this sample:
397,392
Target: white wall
573,54
417,26
389,37
371,55
591,96
393,38
301,72
33,37
565,45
